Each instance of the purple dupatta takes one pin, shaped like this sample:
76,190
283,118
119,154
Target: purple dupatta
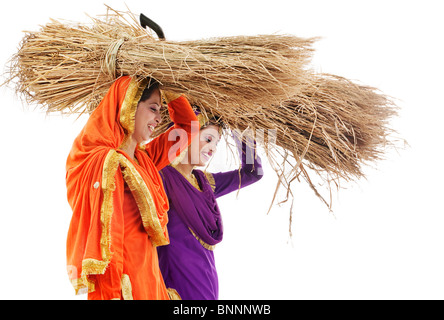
202,217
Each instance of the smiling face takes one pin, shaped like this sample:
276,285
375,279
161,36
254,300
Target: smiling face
209,137
147,117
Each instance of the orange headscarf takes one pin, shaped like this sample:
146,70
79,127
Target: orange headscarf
96,172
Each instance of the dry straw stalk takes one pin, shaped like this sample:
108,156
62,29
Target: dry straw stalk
323,122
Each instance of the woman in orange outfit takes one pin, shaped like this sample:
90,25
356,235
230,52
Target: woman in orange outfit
116,194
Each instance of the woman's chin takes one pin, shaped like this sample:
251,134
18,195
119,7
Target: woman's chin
201,164
204,159
146,137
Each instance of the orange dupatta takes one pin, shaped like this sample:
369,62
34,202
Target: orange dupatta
96,172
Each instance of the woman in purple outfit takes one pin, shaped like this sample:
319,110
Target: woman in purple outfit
195,223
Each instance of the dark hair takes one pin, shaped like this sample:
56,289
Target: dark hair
152,85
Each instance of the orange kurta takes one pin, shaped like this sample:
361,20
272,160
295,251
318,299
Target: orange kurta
119,205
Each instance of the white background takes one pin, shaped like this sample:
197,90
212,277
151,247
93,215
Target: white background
385,238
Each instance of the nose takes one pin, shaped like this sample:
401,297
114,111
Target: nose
158,118
213,148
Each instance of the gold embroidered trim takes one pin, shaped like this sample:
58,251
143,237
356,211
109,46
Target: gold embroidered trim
144,202
110,167
129,108
127,289
172,293
130,103
179,158
93,266
211,180
204,244
203,119
192,180
79,286
146,207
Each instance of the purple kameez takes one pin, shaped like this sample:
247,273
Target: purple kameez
195,226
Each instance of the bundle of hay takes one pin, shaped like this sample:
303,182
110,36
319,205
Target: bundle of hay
68,67
323,122
333,127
